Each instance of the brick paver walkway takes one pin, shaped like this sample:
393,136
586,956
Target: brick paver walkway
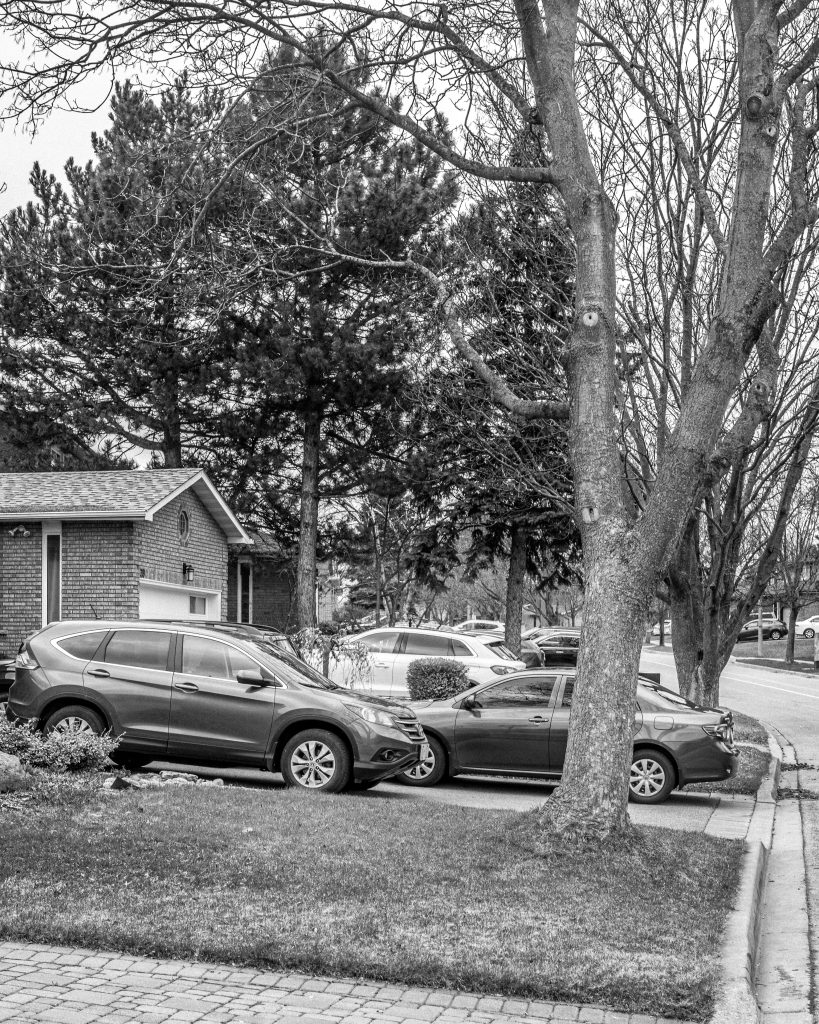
76,986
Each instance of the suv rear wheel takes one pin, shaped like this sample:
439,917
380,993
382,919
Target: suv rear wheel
317,759
75,719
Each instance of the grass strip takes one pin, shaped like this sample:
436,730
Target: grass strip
419,894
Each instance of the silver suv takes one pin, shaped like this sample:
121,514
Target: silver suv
196,695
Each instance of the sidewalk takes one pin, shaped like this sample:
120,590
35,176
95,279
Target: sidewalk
40,984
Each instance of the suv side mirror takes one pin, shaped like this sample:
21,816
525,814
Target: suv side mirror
253,678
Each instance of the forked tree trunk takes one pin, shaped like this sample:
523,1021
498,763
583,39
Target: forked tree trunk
514,589
308,529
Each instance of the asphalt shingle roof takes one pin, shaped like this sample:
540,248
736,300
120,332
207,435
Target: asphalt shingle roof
122,492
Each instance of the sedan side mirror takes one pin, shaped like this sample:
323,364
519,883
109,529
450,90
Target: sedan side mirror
469,703
253,678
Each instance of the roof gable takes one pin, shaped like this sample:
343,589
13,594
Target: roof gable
131,494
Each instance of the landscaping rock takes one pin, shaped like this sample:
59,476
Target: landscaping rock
12,774
178,777
117,782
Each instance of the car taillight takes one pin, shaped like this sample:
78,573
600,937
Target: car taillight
25,659
502,670
724,732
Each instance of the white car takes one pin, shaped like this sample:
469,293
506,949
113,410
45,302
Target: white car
666,628
472,624
391,651
807,627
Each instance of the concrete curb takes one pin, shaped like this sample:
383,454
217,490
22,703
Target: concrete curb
737,1002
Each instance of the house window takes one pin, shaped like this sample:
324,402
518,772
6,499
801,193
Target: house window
245,592
184,527
198,605
52,556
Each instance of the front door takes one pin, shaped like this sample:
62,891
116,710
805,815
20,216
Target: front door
213,715
508,727
132,674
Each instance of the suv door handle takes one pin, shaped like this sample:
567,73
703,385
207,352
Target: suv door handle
538,719
101,672
186,687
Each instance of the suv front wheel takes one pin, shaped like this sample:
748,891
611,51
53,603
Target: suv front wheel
73,720
317,759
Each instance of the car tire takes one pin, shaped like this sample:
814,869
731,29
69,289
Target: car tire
776,634
75,719
651,778
809,634
429,772
316,760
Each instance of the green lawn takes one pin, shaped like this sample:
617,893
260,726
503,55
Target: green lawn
408,892
773,654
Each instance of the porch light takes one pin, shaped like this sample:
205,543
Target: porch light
187,572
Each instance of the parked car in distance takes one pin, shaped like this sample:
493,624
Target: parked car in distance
392,649
477,625
666,628
530,653
807,627
199,696
536,632
772,629
560,647
519,725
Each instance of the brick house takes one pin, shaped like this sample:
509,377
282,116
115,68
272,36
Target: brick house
261,581
120,544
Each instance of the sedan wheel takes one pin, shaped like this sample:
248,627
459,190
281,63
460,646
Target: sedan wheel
428,772
316,760
809,634
651,778
75,720
775,634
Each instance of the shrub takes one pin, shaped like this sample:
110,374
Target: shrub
436,678
56,752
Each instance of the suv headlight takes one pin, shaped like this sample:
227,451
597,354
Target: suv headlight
371,715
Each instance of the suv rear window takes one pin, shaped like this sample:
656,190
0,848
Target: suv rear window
139,648
84,645
423,644
498,648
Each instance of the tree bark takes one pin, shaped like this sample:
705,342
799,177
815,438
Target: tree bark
308,528
793,615
514,589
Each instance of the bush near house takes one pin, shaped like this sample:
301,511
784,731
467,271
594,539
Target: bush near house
436,678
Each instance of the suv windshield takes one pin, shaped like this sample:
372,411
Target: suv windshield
303,673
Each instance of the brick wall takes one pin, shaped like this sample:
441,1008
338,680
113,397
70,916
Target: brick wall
272,593
21,584
161,550
99,570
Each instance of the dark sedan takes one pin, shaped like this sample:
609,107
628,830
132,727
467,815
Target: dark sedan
530,653
772,629
560,647
520,725
6,675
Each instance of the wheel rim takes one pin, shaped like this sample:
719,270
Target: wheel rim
423,769
647,777
775,635
313,764
74,725
809,634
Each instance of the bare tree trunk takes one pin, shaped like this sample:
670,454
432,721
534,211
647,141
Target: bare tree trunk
308,531
793,615
514,589
685,595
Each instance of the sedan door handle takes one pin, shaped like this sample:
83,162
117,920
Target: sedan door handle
186,687
101,672
538,719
